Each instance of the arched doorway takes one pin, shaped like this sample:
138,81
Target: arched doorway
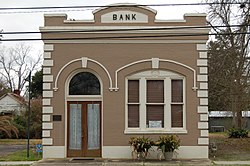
84,116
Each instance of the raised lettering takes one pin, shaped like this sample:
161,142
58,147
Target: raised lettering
114,17
127,16
121,17
133,17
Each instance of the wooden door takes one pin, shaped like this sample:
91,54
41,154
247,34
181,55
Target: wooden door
84,129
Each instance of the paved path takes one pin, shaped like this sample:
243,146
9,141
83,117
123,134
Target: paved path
17,163
6,149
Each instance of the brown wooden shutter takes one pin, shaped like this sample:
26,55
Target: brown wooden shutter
155,113
177,91
155,91
177,115
133,91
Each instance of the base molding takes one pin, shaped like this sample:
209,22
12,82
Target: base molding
54,152
184,152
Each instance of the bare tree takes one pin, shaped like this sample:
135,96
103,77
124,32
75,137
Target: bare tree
229,75
16,63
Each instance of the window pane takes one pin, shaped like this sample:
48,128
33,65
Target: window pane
75,127
93,126
133,116
84,83
155,91
155,116
133,91
177,91
177,115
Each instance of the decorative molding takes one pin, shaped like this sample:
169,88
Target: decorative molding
203,101
202,93
201,47
201,62
202,125
48,47
47,110
46,101
203,141
204,133
47,55
48,94
203,55
47,78
202,78
155,63
47,125
154,60
83,59
202,109
48,63
47,141
46,70
203,117
204,85
203,70
46,86
46,133
46,118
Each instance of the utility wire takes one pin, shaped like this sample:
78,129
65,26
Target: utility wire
117,30
125,37
129,5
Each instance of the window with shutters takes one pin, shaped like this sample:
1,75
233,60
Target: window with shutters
155,102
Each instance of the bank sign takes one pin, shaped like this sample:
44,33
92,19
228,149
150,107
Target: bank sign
124,17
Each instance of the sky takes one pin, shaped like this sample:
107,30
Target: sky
11,20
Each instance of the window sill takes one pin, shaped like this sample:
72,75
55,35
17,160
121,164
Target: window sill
159,131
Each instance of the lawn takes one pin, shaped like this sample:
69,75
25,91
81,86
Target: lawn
21,156
229,149
19,141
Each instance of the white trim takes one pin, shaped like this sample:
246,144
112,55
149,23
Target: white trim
82,59
47,125
118,5
151,60
204,85
203,101
47,78
203,141
47,110
202,125
47,141
203,55
184,152
204,133
168,21
202,62
48,47
203,70
46,102
126,41
46,70
202,78
48,94
78,21
54,152
202,93
46,86
56,15
155,63
203,117
202,109
166,76
46,133
47,55
48,63
46,118
195,14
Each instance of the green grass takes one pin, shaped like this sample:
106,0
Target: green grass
21,156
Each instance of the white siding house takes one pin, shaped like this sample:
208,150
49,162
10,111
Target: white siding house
11,103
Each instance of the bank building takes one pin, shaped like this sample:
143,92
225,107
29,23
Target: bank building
123,74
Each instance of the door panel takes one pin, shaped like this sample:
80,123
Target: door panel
84,129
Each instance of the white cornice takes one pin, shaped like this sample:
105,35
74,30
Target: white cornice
124,4
195,14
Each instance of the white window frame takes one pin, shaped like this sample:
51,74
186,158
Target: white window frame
167,76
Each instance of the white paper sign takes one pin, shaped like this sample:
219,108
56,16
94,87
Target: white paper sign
155,124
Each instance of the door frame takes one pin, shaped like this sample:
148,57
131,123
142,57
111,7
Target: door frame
81,98
84,151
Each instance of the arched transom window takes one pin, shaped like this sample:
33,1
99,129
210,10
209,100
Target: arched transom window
84,83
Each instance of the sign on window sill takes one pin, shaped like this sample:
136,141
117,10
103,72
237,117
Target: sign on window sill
155,124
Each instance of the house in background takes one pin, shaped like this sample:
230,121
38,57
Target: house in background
12,103
220,121
121,75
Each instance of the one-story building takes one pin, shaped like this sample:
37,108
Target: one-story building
120,75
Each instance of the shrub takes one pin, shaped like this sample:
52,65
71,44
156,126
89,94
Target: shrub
168,143
237,133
